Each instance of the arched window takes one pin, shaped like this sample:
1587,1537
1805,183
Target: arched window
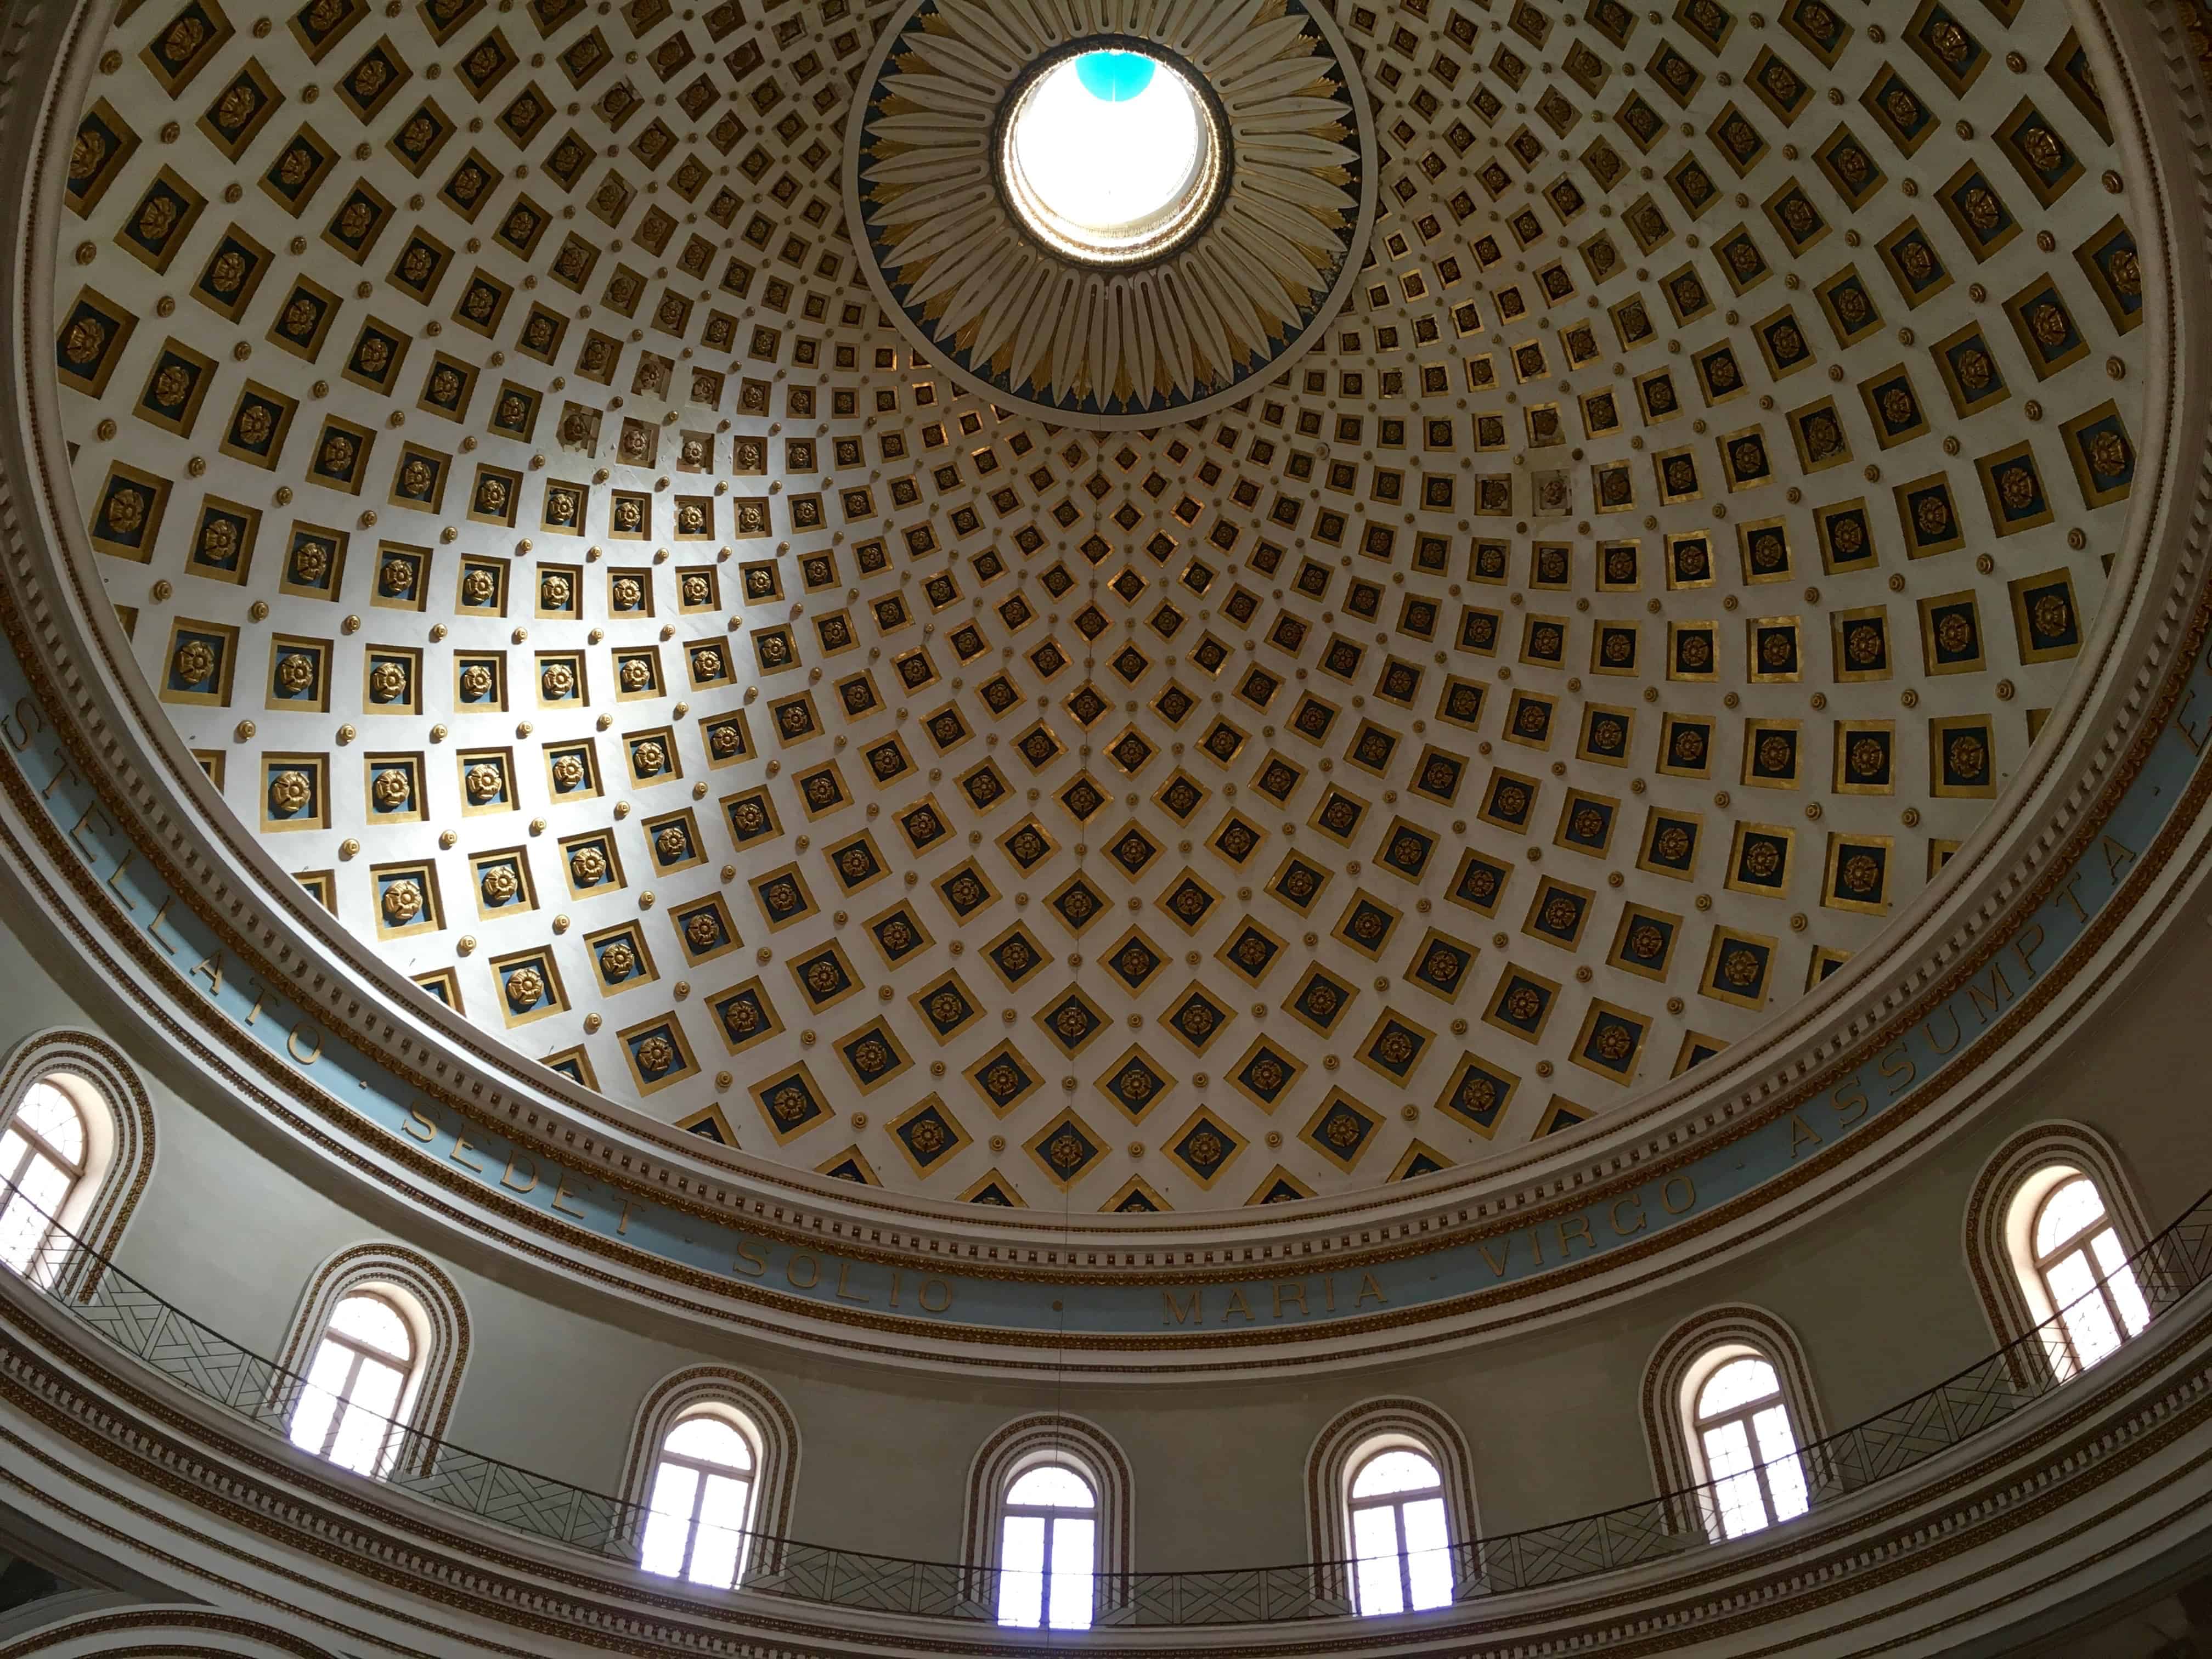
358,1385
1390,1509
711,1469
2081,1269
2053,1226
1048,1548
373,1359
1740,1425
76,1145
1400,1540
1734,1423
1048,1517
42,1153
701,1502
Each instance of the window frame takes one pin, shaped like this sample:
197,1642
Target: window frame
1053,1515
429,1303
361,1352
1342,1450
1999,1227
80,1177
113,1105
1702,1424
1362,1459
712,1411
2062,1342
1033,1442
769,1430
1674,1379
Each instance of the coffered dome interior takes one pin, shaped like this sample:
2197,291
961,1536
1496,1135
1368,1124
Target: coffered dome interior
516,494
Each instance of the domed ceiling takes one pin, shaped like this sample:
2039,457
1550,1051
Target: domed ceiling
497,439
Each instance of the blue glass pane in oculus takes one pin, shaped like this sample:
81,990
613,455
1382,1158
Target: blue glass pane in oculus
1113,77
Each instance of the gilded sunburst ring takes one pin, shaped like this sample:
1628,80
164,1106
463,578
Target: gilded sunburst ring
1229,275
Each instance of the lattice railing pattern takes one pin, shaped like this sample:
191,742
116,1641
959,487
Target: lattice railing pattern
72,1278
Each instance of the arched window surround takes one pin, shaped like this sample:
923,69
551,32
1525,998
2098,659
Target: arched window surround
1029,1442
758,1412
426,1298
2000,1215
1678,1370
119,1123
1360,1433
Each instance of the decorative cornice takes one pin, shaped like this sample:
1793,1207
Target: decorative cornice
183,1630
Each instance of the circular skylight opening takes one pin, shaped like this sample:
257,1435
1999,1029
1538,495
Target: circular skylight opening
1111,156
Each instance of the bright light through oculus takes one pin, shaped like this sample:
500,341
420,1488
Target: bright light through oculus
1111,156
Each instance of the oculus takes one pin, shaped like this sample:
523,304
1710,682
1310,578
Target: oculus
1111,157
1104,227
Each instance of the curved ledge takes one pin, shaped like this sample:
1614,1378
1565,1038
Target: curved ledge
193,1377
191,1632
2079,1483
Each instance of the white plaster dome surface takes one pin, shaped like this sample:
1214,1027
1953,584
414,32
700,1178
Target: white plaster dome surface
601,601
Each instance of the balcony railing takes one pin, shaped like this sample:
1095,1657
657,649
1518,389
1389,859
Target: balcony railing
75,1281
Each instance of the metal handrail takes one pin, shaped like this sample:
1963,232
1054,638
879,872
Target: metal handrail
78,1280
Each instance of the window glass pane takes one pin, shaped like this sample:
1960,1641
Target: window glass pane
722,1537
318,1396
46,1184
24,1224
1785,1475
361,1440
1735,1487
1394,1472
2073,1207
2071,1279
2120,1279
13,1147
1428,1553
1374,1549
724,1509
1741,1507
52,1116
668,1528
1736,1383
376,1387
374,1323
2074,1288
711,1440
726,1500
1021,1578
1073,1563
365,1429
21,1229
1728,1450
1052,1488
1771,1428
